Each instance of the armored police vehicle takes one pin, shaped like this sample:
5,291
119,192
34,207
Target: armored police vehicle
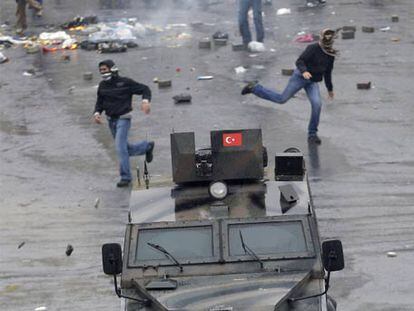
226,235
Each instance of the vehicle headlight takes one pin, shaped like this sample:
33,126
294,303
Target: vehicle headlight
218,190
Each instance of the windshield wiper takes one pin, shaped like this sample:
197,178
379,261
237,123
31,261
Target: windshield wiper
250,251
166,253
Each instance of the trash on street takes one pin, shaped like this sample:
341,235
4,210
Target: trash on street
204,77
3,58
283,11
69,250
182,99
240,70
255,47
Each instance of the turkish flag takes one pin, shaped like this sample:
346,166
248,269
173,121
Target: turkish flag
232,139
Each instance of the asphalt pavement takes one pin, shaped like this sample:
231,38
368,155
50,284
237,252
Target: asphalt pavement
58,170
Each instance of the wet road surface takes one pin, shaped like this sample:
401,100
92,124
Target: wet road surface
55,163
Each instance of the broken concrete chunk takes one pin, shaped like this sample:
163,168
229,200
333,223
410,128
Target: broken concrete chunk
287,72
237,47
97,201
368,29
204,44
182,98
348,35
349,28
88,76
220,42
164,83
69,250
395,18
364,85
220,35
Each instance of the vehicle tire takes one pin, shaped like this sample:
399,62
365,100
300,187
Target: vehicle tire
331,303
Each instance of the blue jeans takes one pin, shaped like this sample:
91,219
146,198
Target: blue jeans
244,6
119,130
296,83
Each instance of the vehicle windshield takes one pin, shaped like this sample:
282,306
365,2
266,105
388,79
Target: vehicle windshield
267,238
188,243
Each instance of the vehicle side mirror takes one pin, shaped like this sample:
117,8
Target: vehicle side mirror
332,255
112,258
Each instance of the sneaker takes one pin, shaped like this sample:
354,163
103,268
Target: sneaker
39,13
123,183
148,154
248,89
314,139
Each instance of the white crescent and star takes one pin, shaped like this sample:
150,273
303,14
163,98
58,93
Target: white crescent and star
230,140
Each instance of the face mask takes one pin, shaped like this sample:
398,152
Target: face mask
106,76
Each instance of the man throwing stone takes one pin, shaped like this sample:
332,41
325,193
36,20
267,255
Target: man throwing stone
115,98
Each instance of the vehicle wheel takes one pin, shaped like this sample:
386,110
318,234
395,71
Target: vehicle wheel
331,303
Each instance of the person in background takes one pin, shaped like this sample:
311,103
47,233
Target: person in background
21,23
256,6
115,99
313,65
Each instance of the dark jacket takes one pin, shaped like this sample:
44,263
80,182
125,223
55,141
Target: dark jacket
115,95
318,63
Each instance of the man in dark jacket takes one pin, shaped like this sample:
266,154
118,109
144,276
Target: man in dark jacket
115,98
313,65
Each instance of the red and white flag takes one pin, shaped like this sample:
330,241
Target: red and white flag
232,139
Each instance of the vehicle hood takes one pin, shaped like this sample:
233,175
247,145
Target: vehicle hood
231,292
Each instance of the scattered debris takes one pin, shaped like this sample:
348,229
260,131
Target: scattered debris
391,254
97,201
364,85
204,43
182,99
28,73
368,29
348,35
387,28
87,76
79,22
3,58
112,47
21,245
204,77
349,28
283,11
65,58
69,250
305,38
32,49
255,47
240,70
220,35
395,18
287,72
220,42
164,83
237,47
40,309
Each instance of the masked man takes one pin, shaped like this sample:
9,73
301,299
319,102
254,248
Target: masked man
115,98
313,65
